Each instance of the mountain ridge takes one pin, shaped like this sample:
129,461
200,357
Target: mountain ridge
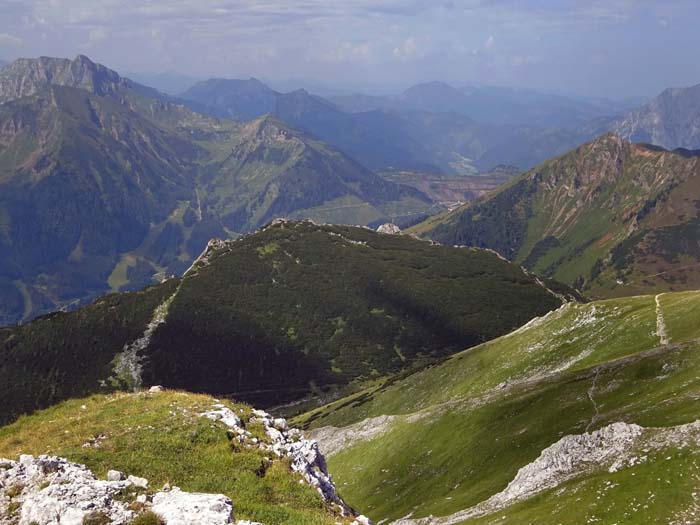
602,217
144,182
293,310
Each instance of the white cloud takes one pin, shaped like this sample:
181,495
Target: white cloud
10,40
350,52
490,41
97,34
407,49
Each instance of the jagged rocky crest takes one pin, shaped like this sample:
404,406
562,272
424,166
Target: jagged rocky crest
25,77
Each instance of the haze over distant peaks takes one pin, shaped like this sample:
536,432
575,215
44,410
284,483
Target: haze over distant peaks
671,120
170,82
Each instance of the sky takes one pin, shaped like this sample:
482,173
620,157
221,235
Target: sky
598,48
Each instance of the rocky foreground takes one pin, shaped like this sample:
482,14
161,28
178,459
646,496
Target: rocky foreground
49,490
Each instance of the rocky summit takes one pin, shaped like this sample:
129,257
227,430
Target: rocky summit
51,491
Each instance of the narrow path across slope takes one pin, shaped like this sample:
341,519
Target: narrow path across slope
591,391
660,323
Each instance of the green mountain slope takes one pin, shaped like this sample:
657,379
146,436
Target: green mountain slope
109,185
295,309
611,217
450,441
164,438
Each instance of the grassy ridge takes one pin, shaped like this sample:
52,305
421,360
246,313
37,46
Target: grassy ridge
293,310
162,438
464,428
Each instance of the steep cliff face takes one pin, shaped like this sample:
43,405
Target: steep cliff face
613,217
26,77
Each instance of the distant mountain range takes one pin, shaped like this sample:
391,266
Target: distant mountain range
168,82
293,310
105,182
499,106
412,137
611,217
422,127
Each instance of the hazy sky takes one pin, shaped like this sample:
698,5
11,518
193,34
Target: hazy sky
613,48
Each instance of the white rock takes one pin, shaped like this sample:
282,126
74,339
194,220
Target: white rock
225,415
59,492
280,424
306,459
137,482
185,508
114,475
155,389
568,456
389,228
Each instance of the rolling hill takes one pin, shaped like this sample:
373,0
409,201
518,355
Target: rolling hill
585,415
105,183
291,311
611,217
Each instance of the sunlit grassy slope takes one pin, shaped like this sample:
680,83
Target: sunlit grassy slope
463,429
161,437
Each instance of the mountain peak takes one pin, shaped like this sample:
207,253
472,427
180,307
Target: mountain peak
610,139
432,85
268,127
668,120
27,76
